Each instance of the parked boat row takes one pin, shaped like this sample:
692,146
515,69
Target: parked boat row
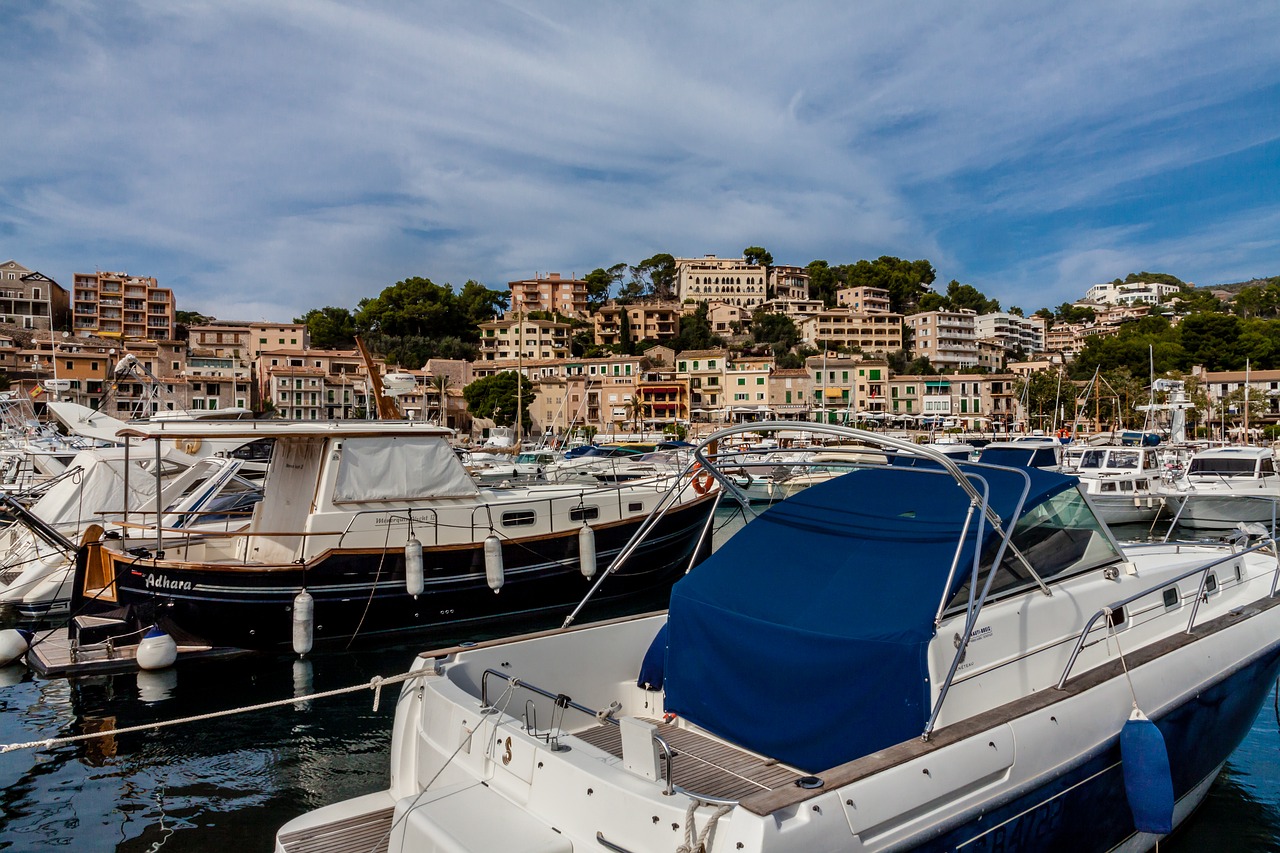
925,656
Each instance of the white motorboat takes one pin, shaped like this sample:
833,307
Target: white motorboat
1124,483
39,551
849,673
1224,486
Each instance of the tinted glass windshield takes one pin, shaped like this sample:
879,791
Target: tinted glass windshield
1059,537
1222,467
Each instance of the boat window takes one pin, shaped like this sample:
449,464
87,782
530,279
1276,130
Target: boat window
635,507
1059,537
1107,487
1150,461
1222,467
1211,583
1171,598
1091,459
1126,486
584,513
1126,459
1268,467
519,518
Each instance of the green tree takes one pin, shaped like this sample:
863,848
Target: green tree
494,397
756,255
906,281
695,332
601,282
1210,339
478,304
330,327
770,328
654,277
1155,278
823,282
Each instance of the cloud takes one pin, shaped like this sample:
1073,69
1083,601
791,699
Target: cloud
277,157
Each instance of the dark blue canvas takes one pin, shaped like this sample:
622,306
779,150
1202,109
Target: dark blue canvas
804,637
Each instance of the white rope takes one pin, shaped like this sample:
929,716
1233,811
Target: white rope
1111,635
698,843
375,684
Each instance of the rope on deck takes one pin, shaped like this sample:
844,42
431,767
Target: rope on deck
375,684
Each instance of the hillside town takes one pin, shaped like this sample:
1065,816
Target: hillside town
113,341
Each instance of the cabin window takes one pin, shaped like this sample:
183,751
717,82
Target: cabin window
584,513
1171,598
635,507
1211,584
519,518
1222,467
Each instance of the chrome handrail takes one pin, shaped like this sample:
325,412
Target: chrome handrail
1202,570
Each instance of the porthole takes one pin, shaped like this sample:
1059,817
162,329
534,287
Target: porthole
584,513
1171,598
1211,583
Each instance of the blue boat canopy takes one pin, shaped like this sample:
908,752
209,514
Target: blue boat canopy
805,637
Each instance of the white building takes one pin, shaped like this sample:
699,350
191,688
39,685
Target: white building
1011,331
948,338
1148,292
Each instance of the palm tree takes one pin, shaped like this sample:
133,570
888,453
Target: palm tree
440,384
639,410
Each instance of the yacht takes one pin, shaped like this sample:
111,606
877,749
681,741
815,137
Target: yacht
1225,486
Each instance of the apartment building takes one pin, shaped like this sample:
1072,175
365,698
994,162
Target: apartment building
705,371
868,300
520,336
843,327
1264,392
665,399
746,389
1011,331
275,337
789,283
728,320
221,339
318,384
118,305
566,296
31,300
790,394
645,321
947,338
798,310
729,280
1145,292
835,386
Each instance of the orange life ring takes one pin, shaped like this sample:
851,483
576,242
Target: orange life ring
1064,433
701,482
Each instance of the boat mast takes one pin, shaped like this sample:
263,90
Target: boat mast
385,406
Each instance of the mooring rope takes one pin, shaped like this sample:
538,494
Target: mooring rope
375,684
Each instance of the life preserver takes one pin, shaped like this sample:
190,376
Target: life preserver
1064,433
701,482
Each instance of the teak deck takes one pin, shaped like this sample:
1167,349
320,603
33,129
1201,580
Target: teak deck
366,833
704,765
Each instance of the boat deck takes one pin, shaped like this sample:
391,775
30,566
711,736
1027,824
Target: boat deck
703,765
366,833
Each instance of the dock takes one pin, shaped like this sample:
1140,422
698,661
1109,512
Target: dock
54,654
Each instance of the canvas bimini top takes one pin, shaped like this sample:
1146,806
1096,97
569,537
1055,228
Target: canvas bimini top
822,608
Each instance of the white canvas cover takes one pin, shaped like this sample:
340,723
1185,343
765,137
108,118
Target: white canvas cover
76,500
288,492
400,468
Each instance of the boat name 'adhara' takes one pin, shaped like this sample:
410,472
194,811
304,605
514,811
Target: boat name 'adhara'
160,582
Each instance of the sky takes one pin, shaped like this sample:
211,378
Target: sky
263,159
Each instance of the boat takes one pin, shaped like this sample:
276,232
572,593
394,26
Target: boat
373,529
1124,482
1225,486
944,656
1029,452
38,552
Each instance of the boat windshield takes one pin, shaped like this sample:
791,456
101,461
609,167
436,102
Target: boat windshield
1123,460
1091,459
1059,537
1222,467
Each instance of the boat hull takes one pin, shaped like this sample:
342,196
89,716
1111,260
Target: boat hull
361,594
1086,809
1220,512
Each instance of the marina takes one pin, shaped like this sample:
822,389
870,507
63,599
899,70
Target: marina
237,781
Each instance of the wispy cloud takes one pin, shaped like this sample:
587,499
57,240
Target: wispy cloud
268,158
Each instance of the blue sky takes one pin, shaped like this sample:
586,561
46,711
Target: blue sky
266,158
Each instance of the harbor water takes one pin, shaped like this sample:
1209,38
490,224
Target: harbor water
229,783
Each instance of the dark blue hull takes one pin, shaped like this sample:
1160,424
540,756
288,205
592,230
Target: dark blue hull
1086,809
